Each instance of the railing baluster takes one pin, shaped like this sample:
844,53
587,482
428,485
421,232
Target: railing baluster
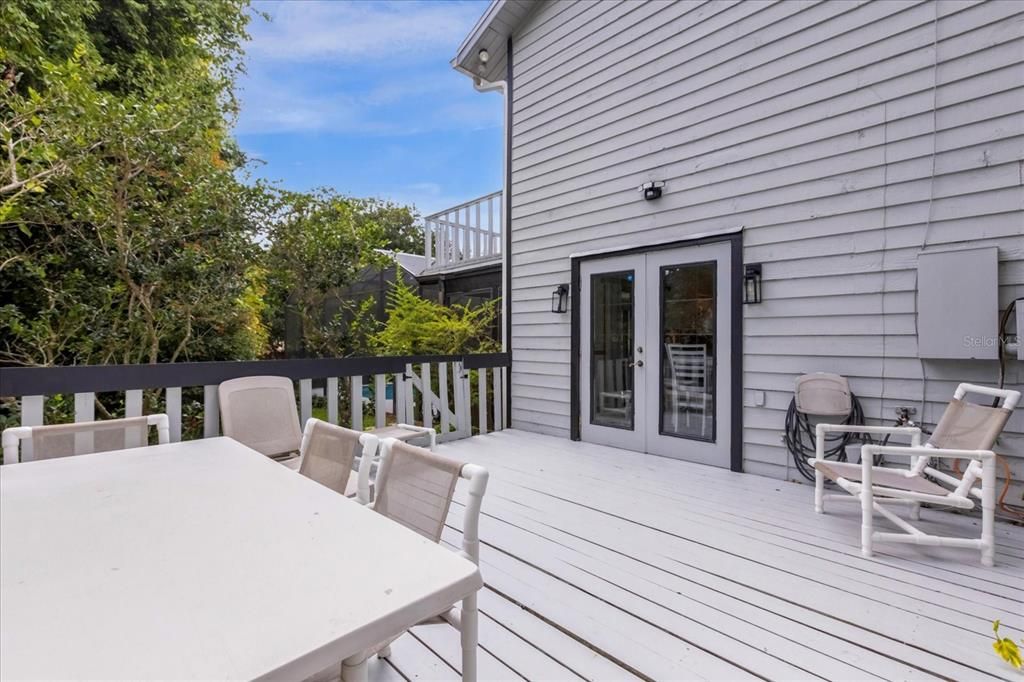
477,253
172,406
398,402
460,400
410,398
85,411
332,399
31,415
427,393
442,390
356,402
499,385
305,401
211,412
133,403
481,383
427,234
380,397
134,438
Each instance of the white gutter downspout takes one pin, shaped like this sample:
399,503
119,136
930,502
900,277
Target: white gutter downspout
480,85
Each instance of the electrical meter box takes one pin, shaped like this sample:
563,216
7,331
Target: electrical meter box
958,304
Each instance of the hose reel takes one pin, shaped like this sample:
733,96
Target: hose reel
826,397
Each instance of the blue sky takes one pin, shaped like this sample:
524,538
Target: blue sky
360,96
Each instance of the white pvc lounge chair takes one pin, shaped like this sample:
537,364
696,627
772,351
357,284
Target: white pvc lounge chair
415,488
328,452
83,438
260,412
966,431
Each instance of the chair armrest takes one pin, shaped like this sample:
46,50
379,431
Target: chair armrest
414,427
820,430
869,452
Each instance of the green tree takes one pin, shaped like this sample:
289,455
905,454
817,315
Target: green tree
397,225
418,326
318,242
126,231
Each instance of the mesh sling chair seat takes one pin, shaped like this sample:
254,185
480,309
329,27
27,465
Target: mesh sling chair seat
82,438
327,454
965,431
415,488
260,412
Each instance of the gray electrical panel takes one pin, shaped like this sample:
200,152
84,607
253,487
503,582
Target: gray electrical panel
958,304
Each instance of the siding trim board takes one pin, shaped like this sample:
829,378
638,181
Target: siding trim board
735,239
507,226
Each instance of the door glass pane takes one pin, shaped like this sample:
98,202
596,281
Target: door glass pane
611,350
688,350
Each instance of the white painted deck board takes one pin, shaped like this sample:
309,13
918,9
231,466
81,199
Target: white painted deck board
607,564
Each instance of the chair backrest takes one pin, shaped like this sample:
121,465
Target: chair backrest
328,452
688,363
260,412
970,426
415,486
83,438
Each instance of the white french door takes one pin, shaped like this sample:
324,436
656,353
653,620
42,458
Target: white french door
655,352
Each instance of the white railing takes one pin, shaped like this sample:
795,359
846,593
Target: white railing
456,395
464,233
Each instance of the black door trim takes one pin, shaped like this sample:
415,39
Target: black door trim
736,356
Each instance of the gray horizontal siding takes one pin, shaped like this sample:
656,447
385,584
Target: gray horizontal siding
842,137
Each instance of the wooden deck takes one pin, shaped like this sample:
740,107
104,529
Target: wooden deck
606,564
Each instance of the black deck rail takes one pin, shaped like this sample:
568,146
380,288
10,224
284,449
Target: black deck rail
20,381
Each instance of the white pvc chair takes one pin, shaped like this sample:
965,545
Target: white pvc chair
965,431
688,364
82,438
328,452
260,412
415,488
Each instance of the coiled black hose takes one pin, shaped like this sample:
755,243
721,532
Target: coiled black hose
800,437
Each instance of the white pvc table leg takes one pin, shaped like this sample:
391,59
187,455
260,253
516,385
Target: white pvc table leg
354,670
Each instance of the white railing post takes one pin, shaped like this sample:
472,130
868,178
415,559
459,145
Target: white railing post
172,406
410,398
305,401
499,386
427,394
211,412
380,395
481,401
85,411
442,394
332,400
356,402
31,415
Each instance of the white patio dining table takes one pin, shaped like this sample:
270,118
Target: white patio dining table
201,560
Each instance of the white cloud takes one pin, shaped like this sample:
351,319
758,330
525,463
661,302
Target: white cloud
342,31
371,68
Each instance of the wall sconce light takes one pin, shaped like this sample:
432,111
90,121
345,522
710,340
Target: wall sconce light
560,299
752,283
652,189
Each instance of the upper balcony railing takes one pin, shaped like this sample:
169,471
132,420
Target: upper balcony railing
457,395
463,234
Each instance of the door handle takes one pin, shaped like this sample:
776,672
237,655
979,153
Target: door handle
637,363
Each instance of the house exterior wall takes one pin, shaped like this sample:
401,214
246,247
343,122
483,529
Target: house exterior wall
810,125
